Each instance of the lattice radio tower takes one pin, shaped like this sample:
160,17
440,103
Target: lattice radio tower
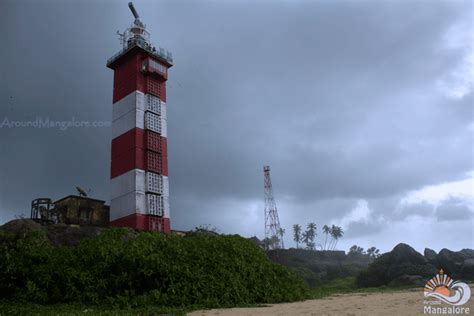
273,231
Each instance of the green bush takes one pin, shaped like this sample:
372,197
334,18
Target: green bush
311,278
134,269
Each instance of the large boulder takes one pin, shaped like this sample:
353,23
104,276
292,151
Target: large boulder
69,235
400,266
58,234
18,228
467,253
451,262
467,269
430,255
403,253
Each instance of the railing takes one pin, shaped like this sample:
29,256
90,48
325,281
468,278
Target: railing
160,53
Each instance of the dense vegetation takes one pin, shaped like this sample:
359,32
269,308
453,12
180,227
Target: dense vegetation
320,267
125,268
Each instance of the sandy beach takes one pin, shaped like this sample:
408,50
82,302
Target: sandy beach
408,302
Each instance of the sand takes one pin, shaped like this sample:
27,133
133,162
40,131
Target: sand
407,302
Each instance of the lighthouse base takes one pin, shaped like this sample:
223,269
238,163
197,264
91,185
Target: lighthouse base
144,222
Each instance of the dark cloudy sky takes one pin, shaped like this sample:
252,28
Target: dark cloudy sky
363,110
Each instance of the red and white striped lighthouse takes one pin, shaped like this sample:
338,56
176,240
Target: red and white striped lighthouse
139,164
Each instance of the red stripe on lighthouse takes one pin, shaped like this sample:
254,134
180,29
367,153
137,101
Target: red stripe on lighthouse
143,222
128,77
139,149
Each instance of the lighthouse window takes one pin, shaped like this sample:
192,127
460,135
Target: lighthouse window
154,182
155,204
157,66
153,141
153,104
153,87
154,162
153,122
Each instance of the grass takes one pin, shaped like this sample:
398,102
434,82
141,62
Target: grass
348,285
337,286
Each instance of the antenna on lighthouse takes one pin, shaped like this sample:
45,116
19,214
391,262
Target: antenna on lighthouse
135,14
136,33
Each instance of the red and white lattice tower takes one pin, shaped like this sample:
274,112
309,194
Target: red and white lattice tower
139,162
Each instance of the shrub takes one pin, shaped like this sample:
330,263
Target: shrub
311,278
131,269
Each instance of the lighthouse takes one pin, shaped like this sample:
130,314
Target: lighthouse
139,159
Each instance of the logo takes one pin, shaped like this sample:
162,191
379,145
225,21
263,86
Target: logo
447,290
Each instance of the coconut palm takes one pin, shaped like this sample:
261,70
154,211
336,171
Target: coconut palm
337,233
280,233
311,234
305,238
326,230
332,233
297,234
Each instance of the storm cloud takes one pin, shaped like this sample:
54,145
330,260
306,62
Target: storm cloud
356,106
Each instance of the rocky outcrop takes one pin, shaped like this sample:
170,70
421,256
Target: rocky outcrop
402,266
403,253
18,228
467,269
451,262
430,256
405,266
58,234
457,264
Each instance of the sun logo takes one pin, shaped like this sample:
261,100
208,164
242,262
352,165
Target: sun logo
442,287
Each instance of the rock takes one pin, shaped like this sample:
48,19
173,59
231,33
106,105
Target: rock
70,235
467,269
468,263
451,262
402,266
58,234
18,228
467,253
403,253
430,255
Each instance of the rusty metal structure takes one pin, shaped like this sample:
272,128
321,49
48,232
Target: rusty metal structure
273,231
42,210
71,210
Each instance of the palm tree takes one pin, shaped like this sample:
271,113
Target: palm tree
332,232
311,233
297,234
305,238
338,232
326,231
280,233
